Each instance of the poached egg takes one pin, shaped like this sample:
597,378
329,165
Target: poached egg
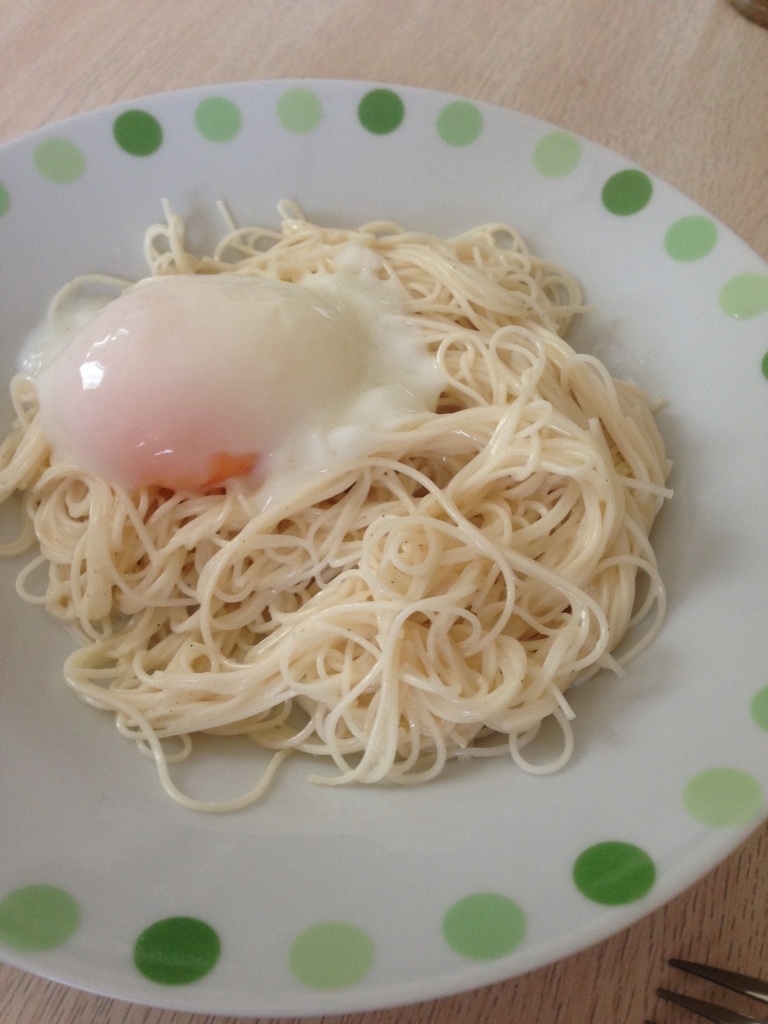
185,381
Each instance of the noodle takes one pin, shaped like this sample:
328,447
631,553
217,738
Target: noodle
430,600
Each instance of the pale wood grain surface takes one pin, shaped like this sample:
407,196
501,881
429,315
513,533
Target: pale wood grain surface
679,86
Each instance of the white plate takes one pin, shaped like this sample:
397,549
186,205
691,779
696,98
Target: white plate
332,900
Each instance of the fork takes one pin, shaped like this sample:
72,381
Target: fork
752,987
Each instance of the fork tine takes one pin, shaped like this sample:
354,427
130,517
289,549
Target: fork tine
752,987
718,1014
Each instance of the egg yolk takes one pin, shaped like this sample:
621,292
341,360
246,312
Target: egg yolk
185,381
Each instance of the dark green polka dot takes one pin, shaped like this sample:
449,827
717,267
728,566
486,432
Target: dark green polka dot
691,238
176,950
484,926
37,917
60,161
5,200
557,154
218,119
723,797
764,365
138,132
331,955
459,123
299,110
381,111
614,873
759,708
745,296
627,192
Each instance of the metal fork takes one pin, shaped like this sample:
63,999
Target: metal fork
752,987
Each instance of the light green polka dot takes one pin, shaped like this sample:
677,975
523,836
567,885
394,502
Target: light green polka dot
484,926
459,123
723,797
5,200
138,132
218,119
60,161
331,955
627,192
691,238
300,110
37,917
176,950
614,873
557,154
745,296
381,111
759,708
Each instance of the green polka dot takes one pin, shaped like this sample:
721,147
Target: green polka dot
723,797
37,917
484,926
627,192
745,296
331,955
381,111
690,238
138,132
759,708
60,161
557,154
5,200
176,950
218,119
764,365
614,873
300,110
459,123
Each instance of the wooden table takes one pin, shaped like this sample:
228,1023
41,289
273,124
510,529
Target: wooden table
679,87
